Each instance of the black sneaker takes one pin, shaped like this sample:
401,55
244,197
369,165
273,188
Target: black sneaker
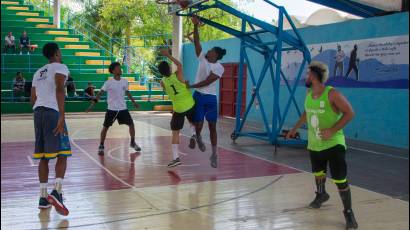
319,200
192,142
56,199
201,144
214,160
135,147
174,163
43,203
350,220
101,150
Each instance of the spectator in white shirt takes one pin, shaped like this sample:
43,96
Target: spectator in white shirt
9,43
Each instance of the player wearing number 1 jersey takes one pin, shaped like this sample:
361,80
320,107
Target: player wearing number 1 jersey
182,102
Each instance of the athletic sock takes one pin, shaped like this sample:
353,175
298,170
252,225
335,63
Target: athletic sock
214,149
175,153
43,190
58,184
346,199
320,185
193,131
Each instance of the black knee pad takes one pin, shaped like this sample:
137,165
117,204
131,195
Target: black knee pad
342,186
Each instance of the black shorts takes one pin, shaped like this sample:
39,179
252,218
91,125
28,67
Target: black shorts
177,121
123,117
336,158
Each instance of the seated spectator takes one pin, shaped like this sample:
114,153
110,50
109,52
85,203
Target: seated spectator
9,43
18,85
25,43
70,87
89,92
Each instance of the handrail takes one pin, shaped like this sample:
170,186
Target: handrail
89,32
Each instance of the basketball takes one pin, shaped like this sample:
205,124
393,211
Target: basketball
184,3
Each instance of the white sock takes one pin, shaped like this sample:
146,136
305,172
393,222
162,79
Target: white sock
59,184
193,131
175,153
43,190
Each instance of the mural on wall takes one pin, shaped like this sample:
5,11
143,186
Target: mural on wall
367,63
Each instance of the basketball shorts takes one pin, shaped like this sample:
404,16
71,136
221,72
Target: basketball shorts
47,144
122,116
335,156
178,119
206,106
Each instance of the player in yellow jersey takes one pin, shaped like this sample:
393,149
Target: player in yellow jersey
182,101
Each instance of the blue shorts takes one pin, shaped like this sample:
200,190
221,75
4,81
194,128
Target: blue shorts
206,106
48,145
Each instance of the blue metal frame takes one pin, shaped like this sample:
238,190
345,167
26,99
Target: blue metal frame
271,51
351,7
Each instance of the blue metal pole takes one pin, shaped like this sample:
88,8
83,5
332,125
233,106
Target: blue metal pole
292,93
240,79
276,88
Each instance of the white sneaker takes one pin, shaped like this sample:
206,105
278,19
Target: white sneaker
21,53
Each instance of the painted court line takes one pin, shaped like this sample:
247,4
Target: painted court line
141,193
32,164
301,170
110,155
377,153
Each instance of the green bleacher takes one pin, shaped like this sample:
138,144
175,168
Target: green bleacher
85,59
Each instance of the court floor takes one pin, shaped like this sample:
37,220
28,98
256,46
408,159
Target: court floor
251,189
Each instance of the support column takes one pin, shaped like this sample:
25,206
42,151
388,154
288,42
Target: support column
56,13
177,38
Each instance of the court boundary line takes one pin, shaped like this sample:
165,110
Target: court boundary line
183,209
110,155
301,170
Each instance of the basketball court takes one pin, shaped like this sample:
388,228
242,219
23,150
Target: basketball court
128,190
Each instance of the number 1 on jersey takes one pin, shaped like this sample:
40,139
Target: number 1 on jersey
175,91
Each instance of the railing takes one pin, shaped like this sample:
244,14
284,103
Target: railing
79,94
32,66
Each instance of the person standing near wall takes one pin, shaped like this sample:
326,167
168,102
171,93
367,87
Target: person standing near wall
326,113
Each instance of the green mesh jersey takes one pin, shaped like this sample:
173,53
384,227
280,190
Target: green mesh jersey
179,94
320,115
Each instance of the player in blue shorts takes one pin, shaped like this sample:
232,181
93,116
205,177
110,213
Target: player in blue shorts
206,106
47,98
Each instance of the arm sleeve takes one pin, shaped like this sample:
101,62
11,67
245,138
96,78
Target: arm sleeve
104,87
62,69
34,82
217,69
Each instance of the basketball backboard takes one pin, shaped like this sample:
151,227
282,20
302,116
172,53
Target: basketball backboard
175,6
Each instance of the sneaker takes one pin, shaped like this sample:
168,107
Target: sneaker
201,144
350,220
43,203
21,53
101,150
214,160
135,147
319,200
174,163
56,199
28,53
192,142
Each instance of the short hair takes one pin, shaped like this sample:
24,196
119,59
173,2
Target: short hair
320,69
18,73
164,68
220,52
112,66
50,49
